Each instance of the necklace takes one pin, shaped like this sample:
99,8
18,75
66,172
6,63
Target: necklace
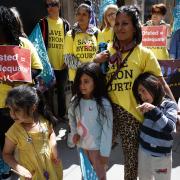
30,140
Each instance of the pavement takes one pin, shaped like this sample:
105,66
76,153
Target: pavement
71,168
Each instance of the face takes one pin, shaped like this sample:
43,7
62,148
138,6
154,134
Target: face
19,115
86,86
111,16
82,17
144,94
52,7
124,28
156,17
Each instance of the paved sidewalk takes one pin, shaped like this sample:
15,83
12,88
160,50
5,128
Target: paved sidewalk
116,169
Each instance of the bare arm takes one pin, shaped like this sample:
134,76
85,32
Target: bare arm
53,145
8,156
166,88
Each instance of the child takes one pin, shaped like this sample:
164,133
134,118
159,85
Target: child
160,115
90,117
33,136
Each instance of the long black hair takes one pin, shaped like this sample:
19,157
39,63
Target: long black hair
25,97
9,26
133,12
152,85
100,90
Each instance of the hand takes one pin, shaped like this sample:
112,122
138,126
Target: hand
102,56
22,171
145,107
76,138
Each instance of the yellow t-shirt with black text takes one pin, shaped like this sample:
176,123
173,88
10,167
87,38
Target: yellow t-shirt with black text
120,91
84,46
55,43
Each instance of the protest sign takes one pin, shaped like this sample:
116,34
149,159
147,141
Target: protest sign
154,36
15,62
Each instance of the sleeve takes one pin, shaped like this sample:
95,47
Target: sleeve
173,46
35,60
106,136
151,63
72,119
165,121
70,60
11,134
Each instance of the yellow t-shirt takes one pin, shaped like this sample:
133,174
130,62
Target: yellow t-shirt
35,156
141,60
108,34
56,43
161,53
35,64
84,46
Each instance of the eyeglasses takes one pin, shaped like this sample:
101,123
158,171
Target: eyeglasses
111,14
53,4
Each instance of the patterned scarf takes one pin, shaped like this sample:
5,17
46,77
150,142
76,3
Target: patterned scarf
117,57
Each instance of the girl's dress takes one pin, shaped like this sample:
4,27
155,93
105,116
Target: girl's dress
34,152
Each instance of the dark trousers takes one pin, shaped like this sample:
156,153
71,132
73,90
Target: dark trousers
61,80
5,123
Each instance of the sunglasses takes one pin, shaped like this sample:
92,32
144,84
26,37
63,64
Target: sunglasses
53,4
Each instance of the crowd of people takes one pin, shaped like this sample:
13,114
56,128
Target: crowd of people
131,99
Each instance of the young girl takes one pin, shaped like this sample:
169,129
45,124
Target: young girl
90,117
160,115
32,135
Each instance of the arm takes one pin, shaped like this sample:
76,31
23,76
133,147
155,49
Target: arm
165,120
53,146
106,136
8,156
73,124
166,88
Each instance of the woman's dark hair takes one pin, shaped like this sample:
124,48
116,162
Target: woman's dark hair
24,97
9,26
86,7
134,13
152,85
100,90
160,8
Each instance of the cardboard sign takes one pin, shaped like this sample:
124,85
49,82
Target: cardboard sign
15,62
154,36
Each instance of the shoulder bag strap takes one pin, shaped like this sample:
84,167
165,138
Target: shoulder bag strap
119,68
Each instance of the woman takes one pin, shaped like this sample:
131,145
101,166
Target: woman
11,33
157,19
81,43
108,22
126,45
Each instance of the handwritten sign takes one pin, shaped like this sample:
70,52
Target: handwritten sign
154,36
15,62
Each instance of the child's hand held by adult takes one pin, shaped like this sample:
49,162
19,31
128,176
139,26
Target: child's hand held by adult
76,138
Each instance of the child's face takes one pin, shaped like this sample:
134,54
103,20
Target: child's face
144,94
86,86
18,114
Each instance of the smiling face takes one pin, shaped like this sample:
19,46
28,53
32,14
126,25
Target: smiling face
144,94
86,86
124,28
